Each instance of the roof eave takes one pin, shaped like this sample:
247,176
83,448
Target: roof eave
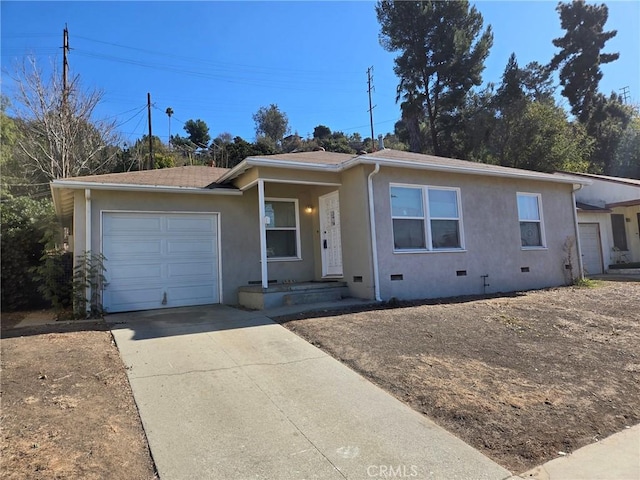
249,162
619,180
626,203
75,185
521,174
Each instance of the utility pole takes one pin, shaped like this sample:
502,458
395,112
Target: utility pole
64,159
369,89
65,65
151,165
625,94
169,112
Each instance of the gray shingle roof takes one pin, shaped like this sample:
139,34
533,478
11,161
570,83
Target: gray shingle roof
186,177
319,157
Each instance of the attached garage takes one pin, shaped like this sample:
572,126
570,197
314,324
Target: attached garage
591,248
160,260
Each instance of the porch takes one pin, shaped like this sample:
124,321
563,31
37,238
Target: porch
298,235
277,295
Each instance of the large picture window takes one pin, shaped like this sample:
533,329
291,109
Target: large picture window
426,218
282,228
530,218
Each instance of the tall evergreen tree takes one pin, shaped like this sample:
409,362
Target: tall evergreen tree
442,49
580,54
198,132
607,124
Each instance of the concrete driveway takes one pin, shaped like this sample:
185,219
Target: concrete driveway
229,394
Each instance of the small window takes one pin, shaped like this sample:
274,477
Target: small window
282,228
619,231
444,218
407,211
426,218
530,217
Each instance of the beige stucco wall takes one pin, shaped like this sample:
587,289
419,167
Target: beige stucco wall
356,237
239,237
240,252
492,239
632,229
490,226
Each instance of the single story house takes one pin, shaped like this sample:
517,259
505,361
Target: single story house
378,226
609,222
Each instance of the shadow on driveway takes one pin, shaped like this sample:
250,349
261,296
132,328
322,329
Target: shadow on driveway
185,321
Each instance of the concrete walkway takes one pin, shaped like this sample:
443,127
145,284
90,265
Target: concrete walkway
615,458
229,394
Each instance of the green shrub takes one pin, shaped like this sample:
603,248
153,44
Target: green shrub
54,275
26,229
88,275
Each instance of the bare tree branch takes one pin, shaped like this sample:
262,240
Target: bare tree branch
61,138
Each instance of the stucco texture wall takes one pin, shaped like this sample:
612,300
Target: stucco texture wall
240,251
239,236
356,236
492,239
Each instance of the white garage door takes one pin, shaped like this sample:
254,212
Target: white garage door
159,260
590,246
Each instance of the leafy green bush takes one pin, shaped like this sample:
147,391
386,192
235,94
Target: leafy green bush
88,276
25,228
54,275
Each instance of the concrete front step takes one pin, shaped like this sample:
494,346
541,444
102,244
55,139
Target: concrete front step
318,296
282,294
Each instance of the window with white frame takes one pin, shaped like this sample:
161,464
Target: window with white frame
283,236
426,218
530,218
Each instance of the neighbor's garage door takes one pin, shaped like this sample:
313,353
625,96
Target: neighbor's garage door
590,246
159,260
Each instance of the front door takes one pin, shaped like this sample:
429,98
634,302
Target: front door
330,240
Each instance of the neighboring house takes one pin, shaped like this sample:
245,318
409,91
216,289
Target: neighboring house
386,224
609,222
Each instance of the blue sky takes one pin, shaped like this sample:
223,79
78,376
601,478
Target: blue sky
222,61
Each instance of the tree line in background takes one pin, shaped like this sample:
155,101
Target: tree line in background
442,47
517,123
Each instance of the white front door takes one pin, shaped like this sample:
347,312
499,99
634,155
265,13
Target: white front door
330,240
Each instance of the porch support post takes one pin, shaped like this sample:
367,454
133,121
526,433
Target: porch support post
87,239
263,236
577,227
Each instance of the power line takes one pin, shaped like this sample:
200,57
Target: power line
202,61
287,83
140,110
31,35
124,113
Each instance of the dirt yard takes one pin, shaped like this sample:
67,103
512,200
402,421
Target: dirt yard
67,408
520,377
